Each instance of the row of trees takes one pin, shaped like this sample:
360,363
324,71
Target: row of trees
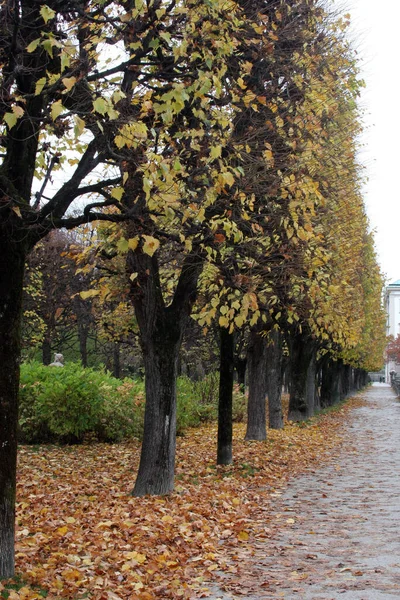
216,142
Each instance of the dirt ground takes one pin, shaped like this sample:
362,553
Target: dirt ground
334,531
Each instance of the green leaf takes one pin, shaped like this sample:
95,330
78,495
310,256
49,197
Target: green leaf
56,109
47,13
79,126
48,46
215,152
10,118
33,45
123,246
40,85
100,106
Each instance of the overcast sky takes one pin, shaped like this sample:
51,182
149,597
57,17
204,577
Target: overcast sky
375,29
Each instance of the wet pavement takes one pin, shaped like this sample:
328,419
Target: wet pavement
336,529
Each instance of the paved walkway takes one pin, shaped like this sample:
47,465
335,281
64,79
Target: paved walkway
341,523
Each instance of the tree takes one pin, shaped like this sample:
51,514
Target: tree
69,72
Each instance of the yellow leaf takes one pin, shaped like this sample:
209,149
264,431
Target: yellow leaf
33,45
167,519
56,109
150,245
79,126
40,85
47,13
133,243
215,151
17,211
100,106
69,82
228,178
18,111
239,320
243,536
62,530
136,556
10,119
89,294
223,322
117,193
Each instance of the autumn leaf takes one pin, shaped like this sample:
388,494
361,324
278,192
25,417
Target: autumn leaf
150,245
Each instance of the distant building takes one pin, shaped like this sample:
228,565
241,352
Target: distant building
392,305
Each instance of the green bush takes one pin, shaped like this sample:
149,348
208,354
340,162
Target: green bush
67,404
73,404
198,402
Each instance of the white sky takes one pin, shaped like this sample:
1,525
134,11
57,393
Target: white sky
375,27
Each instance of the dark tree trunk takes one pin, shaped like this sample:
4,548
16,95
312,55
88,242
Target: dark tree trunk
345,380
311,390
275,370
83,333
46,350
225,402
257,385
240,366
12,260
157,461
161,330
302,382
330,382
116,361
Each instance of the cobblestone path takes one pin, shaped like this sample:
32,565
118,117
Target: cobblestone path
340,537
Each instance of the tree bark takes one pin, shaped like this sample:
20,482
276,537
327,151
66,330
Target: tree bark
225,403
330,384
157,461
46,350
275,370
83,332
161,331
12,259
257,385
240,367
116,361
302,384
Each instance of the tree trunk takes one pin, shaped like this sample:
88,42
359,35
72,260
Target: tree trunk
12,260
116,361
161,331
302,390
46,350
257,384
311,390
225,403
157,460
83,333
330,384
241,366
275,379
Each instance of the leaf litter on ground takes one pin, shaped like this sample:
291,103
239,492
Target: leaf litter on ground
81,534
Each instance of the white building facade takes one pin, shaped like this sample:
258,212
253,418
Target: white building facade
392,305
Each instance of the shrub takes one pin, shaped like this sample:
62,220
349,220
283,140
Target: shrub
66,404
71,404
198,402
